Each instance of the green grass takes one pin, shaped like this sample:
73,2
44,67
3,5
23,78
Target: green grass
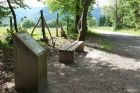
130,31
105,45
126,31
4,44
38,33
99,40
3,30
101,28
93,33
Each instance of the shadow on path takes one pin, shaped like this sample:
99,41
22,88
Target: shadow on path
123,44
89,75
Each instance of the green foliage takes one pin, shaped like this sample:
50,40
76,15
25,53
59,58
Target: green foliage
102,21
28,23
4,44
9,35
123,13
68,9
52,23
91,22
105,21
71,25
4,12
4,9
108,21
63,6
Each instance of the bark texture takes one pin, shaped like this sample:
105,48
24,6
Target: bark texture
82,25
78,13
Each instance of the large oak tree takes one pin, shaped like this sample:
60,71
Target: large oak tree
82,25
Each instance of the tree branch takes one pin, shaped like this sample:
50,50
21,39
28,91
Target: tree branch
14,15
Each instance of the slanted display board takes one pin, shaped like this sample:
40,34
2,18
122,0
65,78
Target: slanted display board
30,63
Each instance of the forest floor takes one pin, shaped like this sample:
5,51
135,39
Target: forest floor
94,71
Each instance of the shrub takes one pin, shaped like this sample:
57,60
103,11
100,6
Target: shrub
27,23
91,22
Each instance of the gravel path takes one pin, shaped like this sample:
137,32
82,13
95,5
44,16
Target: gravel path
96,71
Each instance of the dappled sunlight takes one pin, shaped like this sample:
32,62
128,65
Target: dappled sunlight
97,71
120,62
132,90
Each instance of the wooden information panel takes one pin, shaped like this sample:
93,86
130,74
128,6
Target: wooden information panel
30,63
30,43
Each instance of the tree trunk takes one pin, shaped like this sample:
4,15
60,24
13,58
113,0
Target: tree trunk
116,16
78,12
57,25
82,25
14,15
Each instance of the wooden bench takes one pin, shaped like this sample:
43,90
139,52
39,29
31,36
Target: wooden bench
66,53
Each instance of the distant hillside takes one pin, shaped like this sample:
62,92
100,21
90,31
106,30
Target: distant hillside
97,13
34,14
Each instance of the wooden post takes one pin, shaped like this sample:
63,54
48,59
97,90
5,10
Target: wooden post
43,25
63,34
57,25
35,26
53,43
11,23
67,24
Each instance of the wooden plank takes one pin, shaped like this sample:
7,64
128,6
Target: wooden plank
68,46
74,47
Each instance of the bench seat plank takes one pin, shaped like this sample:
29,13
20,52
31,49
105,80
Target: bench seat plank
68,46
74,47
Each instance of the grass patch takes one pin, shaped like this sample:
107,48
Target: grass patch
92,33
99,40
126,31
101,28
3,30
130,31
4,44
106,45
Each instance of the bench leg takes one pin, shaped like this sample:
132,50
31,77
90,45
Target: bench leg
80,48
66,56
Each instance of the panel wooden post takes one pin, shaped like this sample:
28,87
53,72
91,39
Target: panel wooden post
57,25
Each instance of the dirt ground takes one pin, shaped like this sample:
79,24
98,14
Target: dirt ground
97,71
94,71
